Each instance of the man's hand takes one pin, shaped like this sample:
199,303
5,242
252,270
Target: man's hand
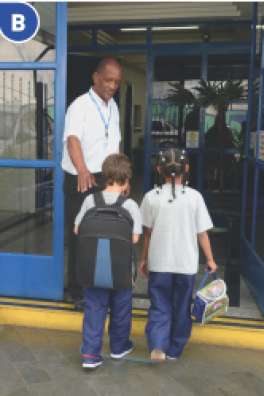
211,264
85,180
143,268
75,229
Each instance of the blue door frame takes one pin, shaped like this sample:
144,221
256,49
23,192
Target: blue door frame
35,275
252,267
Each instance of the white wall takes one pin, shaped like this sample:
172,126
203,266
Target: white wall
138,81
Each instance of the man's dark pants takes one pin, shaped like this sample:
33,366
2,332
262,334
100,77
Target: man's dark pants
73,203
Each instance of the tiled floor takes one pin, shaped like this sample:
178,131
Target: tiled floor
47,363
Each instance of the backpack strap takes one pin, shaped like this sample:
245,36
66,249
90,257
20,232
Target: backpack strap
99,200
120,200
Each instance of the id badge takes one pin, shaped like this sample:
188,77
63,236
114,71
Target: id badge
105,144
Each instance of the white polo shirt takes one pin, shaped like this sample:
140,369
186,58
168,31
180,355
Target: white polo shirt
83,120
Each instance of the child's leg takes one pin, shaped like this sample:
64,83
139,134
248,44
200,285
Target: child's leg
120,319
95,313
181,313
159,315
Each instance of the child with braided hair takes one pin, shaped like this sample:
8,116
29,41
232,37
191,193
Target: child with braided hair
175,217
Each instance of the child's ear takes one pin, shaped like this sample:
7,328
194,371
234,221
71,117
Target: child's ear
159,169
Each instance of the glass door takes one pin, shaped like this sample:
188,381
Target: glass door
32,110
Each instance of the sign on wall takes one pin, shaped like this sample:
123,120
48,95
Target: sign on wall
192,139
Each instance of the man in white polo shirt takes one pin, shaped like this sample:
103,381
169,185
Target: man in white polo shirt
91,133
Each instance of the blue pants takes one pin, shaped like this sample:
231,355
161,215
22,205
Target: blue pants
97,302
169,319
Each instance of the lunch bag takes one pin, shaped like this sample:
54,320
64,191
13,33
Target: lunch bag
105,252
210,301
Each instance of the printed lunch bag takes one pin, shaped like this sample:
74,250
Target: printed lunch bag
211,301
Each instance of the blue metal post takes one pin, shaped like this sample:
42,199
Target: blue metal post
202,125
250,98
60,105
148,121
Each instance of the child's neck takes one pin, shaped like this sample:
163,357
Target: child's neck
115,188
178,180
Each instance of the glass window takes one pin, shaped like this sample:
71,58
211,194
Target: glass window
79,37
177,34
26,211
27,114
259,246
32,50
173,112
249,202
121,36
220,33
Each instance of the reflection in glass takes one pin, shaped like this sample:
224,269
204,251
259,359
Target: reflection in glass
225,120
259,246
26,211
173,110
79,37
121,36
31,51
249,203
27,114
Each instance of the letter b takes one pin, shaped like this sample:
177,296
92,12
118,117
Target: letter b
18,23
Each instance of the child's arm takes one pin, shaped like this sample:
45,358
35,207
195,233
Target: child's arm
144,257
136,238
80,215
205,244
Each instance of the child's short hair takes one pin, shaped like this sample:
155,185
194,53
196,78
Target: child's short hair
116,169
173,163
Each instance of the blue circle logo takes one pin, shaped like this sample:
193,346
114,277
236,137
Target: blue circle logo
19,22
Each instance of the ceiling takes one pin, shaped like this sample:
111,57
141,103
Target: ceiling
143,13
150,12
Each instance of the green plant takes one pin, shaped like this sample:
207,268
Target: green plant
217,95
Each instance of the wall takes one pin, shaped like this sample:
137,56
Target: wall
138,80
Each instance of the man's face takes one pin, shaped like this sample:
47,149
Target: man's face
107,81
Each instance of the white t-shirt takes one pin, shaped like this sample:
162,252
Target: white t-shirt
173,244
83,120
110,198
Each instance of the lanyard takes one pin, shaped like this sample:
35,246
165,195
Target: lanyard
101,114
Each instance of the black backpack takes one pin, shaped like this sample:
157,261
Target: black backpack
105,246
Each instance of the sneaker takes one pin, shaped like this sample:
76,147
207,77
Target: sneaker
127,350
158,355
90,361
171,358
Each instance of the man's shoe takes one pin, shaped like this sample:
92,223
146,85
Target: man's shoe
79,304
127,350
158,355
90,361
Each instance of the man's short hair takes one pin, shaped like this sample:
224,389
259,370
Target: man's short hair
116,169
104,62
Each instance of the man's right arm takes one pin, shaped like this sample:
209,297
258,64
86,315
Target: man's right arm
85,177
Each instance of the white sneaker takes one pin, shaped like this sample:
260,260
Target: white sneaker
128,349
171,358
158,355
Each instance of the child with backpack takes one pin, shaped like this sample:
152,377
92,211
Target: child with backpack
174,217
107,225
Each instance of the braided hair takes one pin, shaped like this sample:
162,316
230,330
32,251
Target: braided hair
173,163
